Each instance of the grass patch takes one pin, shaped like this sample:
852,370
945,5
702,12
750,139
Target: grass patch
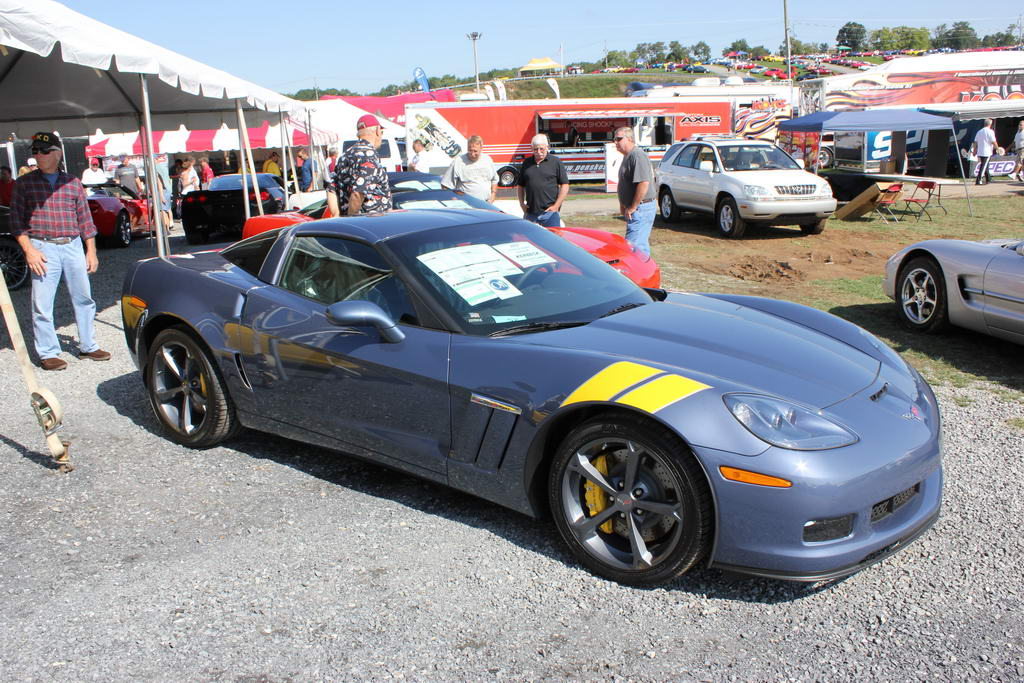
866,288
1017,422
587,85
1008,395
963,401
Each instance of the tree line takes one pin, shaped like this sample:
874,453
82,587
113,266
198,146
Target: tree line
958,36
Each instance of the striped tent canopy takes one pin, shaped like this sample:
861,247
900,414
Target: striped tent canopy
224,138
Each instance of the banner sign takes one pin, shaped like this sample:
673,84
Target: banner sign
420,76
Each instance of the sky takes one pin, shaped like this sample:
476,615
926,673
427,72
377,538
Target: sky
287,46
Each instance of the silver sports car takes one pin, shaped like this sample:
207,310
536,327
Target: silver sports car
977,285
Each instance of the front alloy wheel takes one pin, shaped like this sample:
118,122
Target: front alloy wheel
728,217
630,501
122,236
921,296
667,206
186,392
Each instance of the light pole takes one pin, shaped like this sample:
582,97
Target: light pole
789,58
475,36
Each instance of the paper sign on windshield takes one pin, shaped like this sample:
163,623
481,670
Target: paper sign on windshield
476,272
525,254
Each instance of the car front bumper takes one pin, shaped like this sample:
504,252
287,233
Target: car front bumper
786,211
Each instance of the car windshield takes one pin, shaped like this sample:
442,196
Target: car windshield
755,158
417,184
439,199
507,277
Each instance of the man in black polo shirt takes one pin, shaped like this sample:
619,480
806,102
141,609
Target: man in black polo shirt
543,184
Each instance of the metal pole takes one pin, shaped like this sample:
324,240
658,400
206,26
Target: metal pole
960,163
10,158
789,56
475,36
252,169
241,158
315,168
162,245
284,163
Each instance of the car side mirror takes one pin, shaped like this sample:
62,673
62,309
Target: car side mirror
708,166
364,314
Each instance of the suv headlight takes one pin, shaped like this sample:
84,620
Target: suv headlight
757,192
786,424
825,191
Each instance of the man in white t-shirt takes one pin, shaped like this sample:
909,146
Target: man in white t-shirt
94,175
984,146
473,172
422,159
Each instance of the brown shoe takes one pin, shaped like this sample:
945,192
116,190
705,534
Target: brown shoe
53,364
98,354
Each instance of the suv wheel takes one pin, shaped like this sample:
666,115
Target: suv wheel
813,228
667,206
727,216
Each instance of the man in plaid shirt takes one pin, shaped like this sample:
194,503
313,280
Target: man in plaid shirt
50,218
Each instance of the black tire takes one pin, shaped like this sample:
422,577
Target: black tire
193,235
186,391
667,206
814,228
727,218
598,513
13,264
921,296
122,236
508,176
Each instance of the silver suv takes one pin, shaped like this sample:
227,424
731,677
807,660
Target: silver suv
741,182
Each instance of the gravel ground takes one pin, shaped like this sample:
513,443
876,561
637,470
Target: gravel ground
272,561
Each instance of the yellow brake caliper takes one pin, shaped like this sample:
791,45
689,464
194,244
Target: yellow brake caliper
595,497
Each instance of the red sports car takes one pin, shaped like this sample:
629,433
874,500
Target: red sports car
117,213
610,247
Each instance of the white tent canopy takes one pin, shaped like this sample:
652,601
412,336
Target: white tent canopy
42,92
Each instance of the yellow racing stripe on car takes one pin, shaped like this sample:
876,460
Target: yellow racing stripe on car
661,392
614,379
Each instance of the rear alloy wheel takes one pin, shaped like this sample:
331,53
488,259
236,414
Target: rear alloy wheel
814,228
122,236
727,215
186,391
13,264
508,176
921,296
826,157
667,206
630,501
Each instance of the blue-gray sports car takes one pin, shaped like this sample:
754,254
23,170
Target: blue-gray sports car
659,430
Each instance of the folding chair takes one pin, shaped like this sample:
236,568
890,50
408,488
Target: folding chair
887,200
930,191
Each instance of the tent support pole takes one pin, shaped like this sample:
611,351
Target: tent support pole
314,153
241,158
252,169
147,125
284,159
960,164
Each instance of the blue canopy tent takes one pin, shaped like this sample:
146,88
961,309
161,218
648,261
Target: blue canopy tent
867,120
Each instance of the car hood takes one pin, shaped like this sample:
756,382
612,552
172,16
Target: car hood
728,346
604,245
771,178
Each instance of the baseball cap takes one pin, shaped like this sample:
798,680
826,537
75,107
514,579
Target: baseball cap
367,121
46,140
32,161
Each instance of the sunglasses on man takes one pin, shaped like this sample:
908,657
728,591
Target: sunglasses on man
40,150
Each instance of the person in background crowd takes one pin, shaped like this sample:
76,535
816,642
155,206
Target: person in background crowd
175,174
29,166
94,175
422,159
360,183
543,185
6,185
271,164
1018,148
636,191
205,173
332,159
127,177
189,179
306,171
163,191
50,219
473,172
983,147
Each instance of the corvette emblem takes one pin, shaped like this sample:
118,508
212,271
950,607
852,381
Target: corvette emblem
914,414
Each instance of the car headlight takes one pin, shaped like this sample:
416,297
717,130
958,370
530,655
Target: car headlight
756,192
825,191
786,424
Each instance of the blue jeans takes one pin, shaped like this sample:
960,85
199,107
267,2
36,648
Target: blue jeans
67,260
549,219
638,229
